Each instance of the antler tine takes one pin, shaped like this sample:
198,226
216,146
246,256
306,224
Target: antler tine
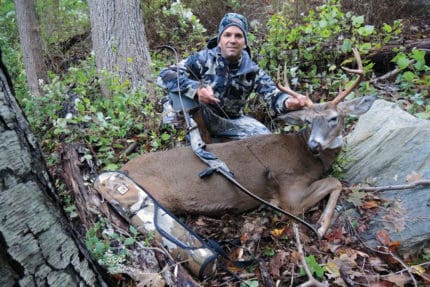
359,71
288,90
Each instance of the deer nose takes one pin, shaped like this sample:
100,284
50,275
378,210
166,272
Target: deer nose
314,146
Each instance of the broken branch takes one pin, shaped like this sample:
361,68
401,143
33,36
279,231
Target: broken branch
312,281
395,187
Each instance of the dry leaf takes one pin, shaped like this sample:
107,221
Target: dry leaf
370,204
394,245
277,232
418,269
413,176
332,269
383,237
398,279
355,197
377,264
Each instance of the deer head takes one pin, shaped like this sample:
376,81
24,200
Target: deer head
325,121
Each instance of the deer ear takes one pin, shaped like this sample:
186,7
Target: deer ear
296,118
356,106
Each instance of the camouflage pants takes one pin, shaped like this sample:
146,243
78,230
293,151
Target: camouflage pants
235,129
220,127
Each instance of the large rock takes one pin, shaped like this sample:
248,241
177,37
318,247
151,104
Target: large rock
386,146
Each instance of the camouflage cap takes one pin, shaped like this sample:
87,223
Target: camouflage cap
233,19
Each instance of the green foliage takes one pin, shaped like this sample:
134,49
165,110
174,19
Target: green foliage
413,73
339,165
62,19
109,248
269,251
11,49
106,123
314,48
314,267
169,23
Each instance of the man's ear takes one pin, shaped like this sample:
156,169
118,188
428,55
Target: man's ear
296,118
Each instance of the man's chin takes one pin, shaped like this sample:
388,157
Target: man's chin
232,56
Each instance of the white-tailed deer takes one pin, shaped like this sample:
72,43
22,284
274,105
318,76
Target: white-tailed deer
285,169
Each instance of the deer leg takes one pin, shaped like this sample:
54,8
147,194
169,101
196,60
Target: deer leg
328,212
317,191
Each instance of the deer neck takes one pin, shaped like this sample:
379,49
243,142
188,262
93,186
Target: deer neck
328,155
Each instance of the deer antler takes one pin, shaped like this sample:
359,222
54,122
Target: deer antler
359,71
288,90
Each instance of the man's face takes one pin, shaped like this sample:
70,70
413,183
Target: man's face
232,43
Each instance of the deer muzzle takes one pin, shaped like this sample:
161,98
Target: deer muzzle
314,146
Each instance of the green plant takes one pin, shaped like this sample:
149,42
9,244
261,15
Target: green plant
106,246
173,23
112,250
413,73
340,163
268,251
314,267
315,48
106,123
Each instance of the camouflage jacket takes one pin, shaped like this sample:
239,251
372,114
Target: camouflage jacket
231,84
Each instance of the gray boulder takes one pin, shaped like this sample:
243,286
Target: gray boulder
386,146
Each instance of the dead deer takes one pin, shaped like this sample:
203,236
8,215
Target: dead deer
282,168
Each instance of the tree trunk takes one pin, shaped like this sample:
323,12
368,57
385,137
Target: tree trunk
36,246
31,44
119,41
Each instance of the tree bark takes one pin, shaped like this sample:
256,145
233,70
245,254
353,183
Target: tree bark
119,41
36,248
31,44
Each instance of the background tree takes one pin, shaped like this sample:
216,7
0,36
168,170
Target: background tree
119,41
31,44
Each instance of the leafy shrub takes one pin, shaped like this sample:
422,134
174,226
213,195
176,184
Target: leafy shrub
314,49
107,124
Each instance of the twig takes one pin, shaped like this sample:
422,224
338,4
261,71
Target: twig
424,182
389,74
312,281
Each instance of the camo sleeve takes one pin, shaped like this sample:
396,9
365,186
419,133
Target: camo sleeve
178,78
265,87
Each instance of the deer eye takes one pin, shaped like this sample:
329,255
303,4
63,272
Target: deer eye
333,119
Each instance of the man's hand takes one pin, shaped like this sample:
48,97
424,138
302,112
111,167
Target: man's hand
206,95
293,103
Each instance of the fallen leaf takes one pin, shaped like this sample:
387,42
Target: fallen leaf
377,264
394,245
418,269
332,269
335,234
277,262
277,232
355,197
398,279
383,237
370,204
413,176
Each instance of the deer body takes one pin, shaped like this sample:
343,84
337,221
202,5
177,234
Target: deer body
275,167
282,169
